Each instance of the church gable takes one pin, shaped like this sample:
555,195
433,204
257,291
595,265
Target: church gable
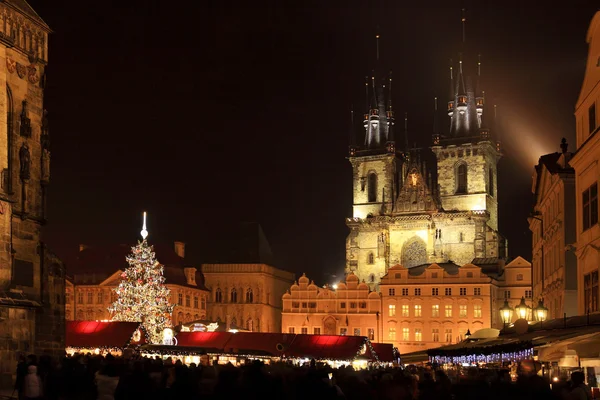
415,196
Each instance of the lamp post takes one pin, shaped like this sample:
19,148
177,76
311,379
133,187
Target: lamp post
540,313
506,313
522,309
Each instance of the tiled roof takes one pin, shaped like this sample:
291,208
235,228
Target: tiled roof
450,268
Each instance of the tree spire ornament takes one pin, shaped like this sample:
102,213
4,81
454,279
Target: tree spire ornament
142,295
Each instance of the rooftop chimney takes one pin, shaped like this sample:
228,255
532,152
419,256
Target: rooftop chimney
180,249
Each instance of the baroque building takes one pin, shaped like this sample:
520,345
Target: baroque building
553,225
405,214
90,291
586,162
349,308
31,276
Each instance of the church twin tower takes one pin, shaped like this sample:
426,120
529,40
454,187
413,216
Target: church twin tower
406,213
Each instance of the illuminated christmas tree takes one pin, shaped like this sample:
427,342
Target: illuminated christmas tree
142,295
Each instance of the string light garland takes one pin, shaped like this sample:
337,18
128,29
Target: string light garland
142,295
485,354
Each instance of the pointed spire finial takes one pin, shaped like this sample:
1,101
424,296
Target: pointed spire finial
377,44
463,21
144,232
479,65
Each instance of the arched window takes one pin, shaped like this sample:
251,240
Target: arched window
491,181
372,187
233,295
218,296
371,258
461,179
372,278
249,296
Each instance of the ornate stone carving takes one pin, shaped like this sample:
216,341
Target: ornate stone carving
25,159
414,253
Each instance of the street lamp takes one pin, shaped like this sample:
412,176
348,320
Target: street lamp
522,309
540,313
506,313
468,334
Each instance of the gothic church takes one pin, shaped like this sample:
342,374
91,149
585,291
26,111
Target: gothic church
405,214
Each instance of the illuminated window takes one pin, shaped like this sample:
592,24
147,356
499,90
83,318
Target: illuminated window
405,310
463,291
405,334
187,300
448,310
435,335
462,311
371,333
435,291
392,292
418,335
370,258
316,330
195,301
417,291
372,188
249,296
304,331
100,297
448,335
233,298
404,291
392,310
435,310
417,310
218,296
477,291
180,299
343,331
392,333
448,291
590,206
461,179
291,329
356,331
477,311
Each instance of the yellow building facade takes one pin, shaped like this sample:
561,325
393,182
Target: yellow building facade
247,296
553,225
350,308
586,162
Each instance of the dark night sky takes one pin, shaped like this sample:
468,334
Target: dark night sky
210,115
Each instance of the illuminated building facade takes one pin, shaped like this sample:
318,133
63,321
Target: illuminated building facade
405,214
32,278
586,162
89,294
349,309
553,224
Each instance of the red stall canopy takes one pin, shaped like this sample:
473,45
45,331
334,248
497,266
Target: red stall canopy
270,344
326,347
206,340
90,334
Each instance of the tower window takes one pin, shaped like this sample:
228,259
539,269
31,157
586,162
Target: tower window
592,117
491,181
372,187
372,278
461,179
371,258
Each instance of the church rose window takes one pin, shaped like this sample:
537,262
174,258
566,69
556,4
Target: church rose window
414,253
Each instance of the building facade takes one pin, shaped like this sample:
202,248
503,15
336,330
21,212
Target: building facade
89,294
349,309
247,296
586,162
31,277
404,214
553,225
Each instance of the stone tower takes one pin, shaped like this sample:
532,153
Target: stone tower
31,278
404,214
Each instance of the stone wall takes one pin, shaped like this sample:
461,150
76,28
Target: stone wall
384,166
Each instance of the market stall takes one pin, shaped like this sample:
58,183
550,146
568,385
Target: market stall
98,337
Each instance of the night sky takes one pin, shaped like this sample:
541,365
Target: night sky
206,116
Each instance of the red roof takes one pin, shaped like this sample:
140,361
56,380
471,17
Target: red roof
326,347
91,334
384,351
206,340
272,344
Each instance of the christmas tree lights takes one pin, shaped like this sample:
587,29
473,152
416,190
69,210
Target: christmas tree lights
142,295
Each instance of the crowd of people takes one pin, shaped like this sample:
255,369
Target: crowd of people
89,377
